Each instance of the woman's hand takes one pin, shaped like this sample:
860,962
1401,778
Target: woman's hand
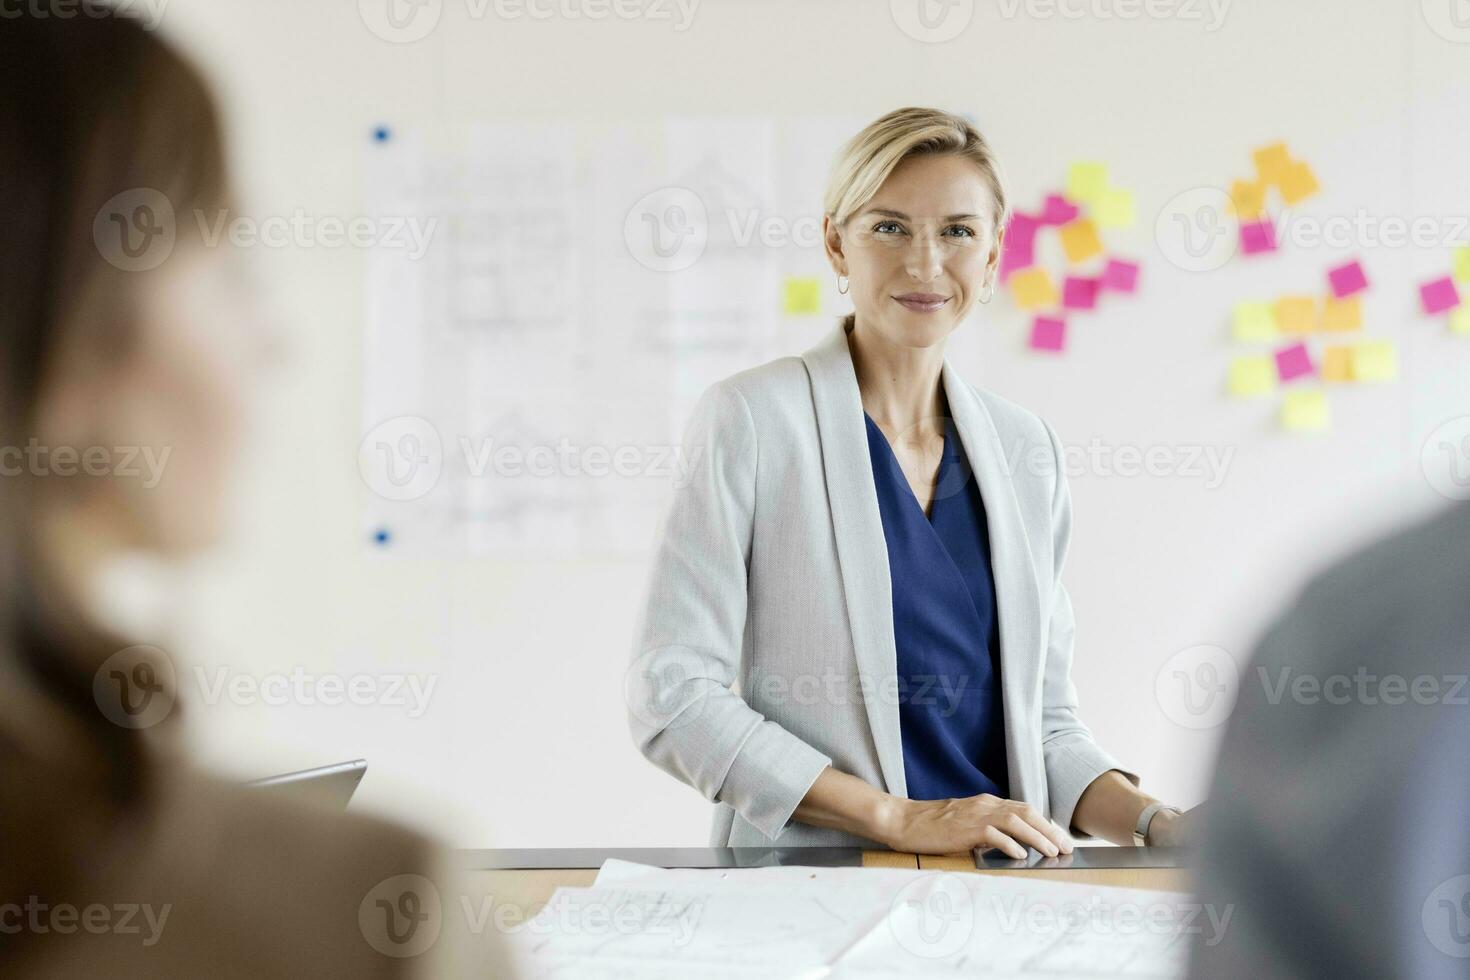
950,826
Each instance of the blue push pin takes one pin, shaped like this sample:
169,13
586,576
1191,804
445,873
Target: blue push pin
381,536
382,134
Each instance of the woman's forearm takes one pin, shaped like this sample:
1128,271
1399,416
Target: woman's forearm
849,804
1109,808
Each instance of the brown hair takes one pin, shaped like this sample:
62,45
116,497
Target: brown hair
867,160
91,108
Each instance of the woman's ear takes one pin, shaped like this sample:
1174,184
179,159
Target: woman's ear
832,242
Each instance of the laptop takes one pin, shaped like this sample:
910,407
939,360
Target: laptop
329,786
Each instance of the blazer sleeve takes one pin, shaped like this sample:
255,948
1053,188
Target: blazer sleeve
682,712
1073,760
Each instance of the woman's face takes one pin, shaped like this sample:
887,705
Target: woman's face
174,402
921,252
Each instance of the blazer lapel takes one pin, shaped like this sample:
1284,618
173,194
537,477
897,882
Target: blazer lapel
862,551
1017,594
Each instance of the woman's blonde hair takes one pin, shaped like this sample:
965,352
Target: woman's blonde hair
866,160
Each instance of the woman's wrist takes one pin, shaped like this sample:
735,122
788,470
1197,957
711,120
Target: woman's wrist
885,817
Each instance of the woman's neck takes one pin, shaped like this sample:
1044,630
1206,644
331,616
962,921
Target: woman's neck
900,387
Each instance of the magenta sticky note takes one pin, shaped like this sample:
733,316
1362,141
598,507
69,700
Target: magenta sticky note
1079,293
1120,276
1439,295
1256,237
1048,333
1021,230
1014,259
1293,362
1347,279
1057,210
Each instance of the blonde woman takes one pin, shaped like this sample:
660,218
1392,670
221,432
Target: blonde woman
855,629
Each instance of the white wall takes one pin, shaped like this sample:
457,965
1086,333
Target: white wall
525,742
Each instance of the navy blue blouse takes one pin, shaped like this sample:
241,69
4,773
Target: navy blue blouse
945,626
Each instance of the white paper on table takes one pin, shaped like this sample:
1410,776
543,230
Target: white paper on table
858,922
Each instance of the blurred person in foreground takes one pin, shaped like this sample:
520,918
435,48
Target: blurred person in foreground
121,383
1338,837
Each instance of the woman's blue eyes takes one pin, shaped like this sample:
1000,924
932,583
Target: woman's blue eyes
967,231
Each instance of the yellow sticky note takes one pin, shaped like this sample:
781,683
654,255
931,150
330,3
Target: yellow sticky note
1342,314
1114,208
1305,411
1337,363
802,296
1033,289
1460,319
1462,265
1376,360
1271,162
1253,375
1247,198
1297,183
1253,322
1296,314
1080,240
1086,180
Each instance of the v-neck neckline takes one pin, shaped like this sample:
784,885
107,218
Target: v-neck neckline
938,472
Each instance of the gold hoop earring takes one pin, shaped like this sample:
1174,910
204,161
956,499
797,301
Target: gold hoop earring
988,296
843,284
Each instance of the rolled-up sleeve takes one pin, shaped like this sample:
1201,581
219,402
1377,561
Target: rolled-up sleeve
682,712
1073,760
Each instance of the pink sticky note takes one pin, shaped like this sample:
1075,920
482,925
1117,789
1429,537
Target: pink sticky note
1439,295
1347,279
1048,333
1293,362
1021,231
1057,210
1014,258
1257,236
1079,293
1120,276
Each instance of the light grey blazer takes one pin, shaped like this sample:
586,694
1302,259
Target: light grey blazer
765,648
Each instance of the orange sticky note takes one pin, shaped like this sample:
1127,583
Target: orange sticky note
1247,198
1296,314
1342,314
1080,240
1297,183
1337,364
1033,289
1271,162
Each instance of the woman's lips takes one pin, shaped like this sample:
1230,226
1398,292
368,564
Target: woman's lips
922,302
